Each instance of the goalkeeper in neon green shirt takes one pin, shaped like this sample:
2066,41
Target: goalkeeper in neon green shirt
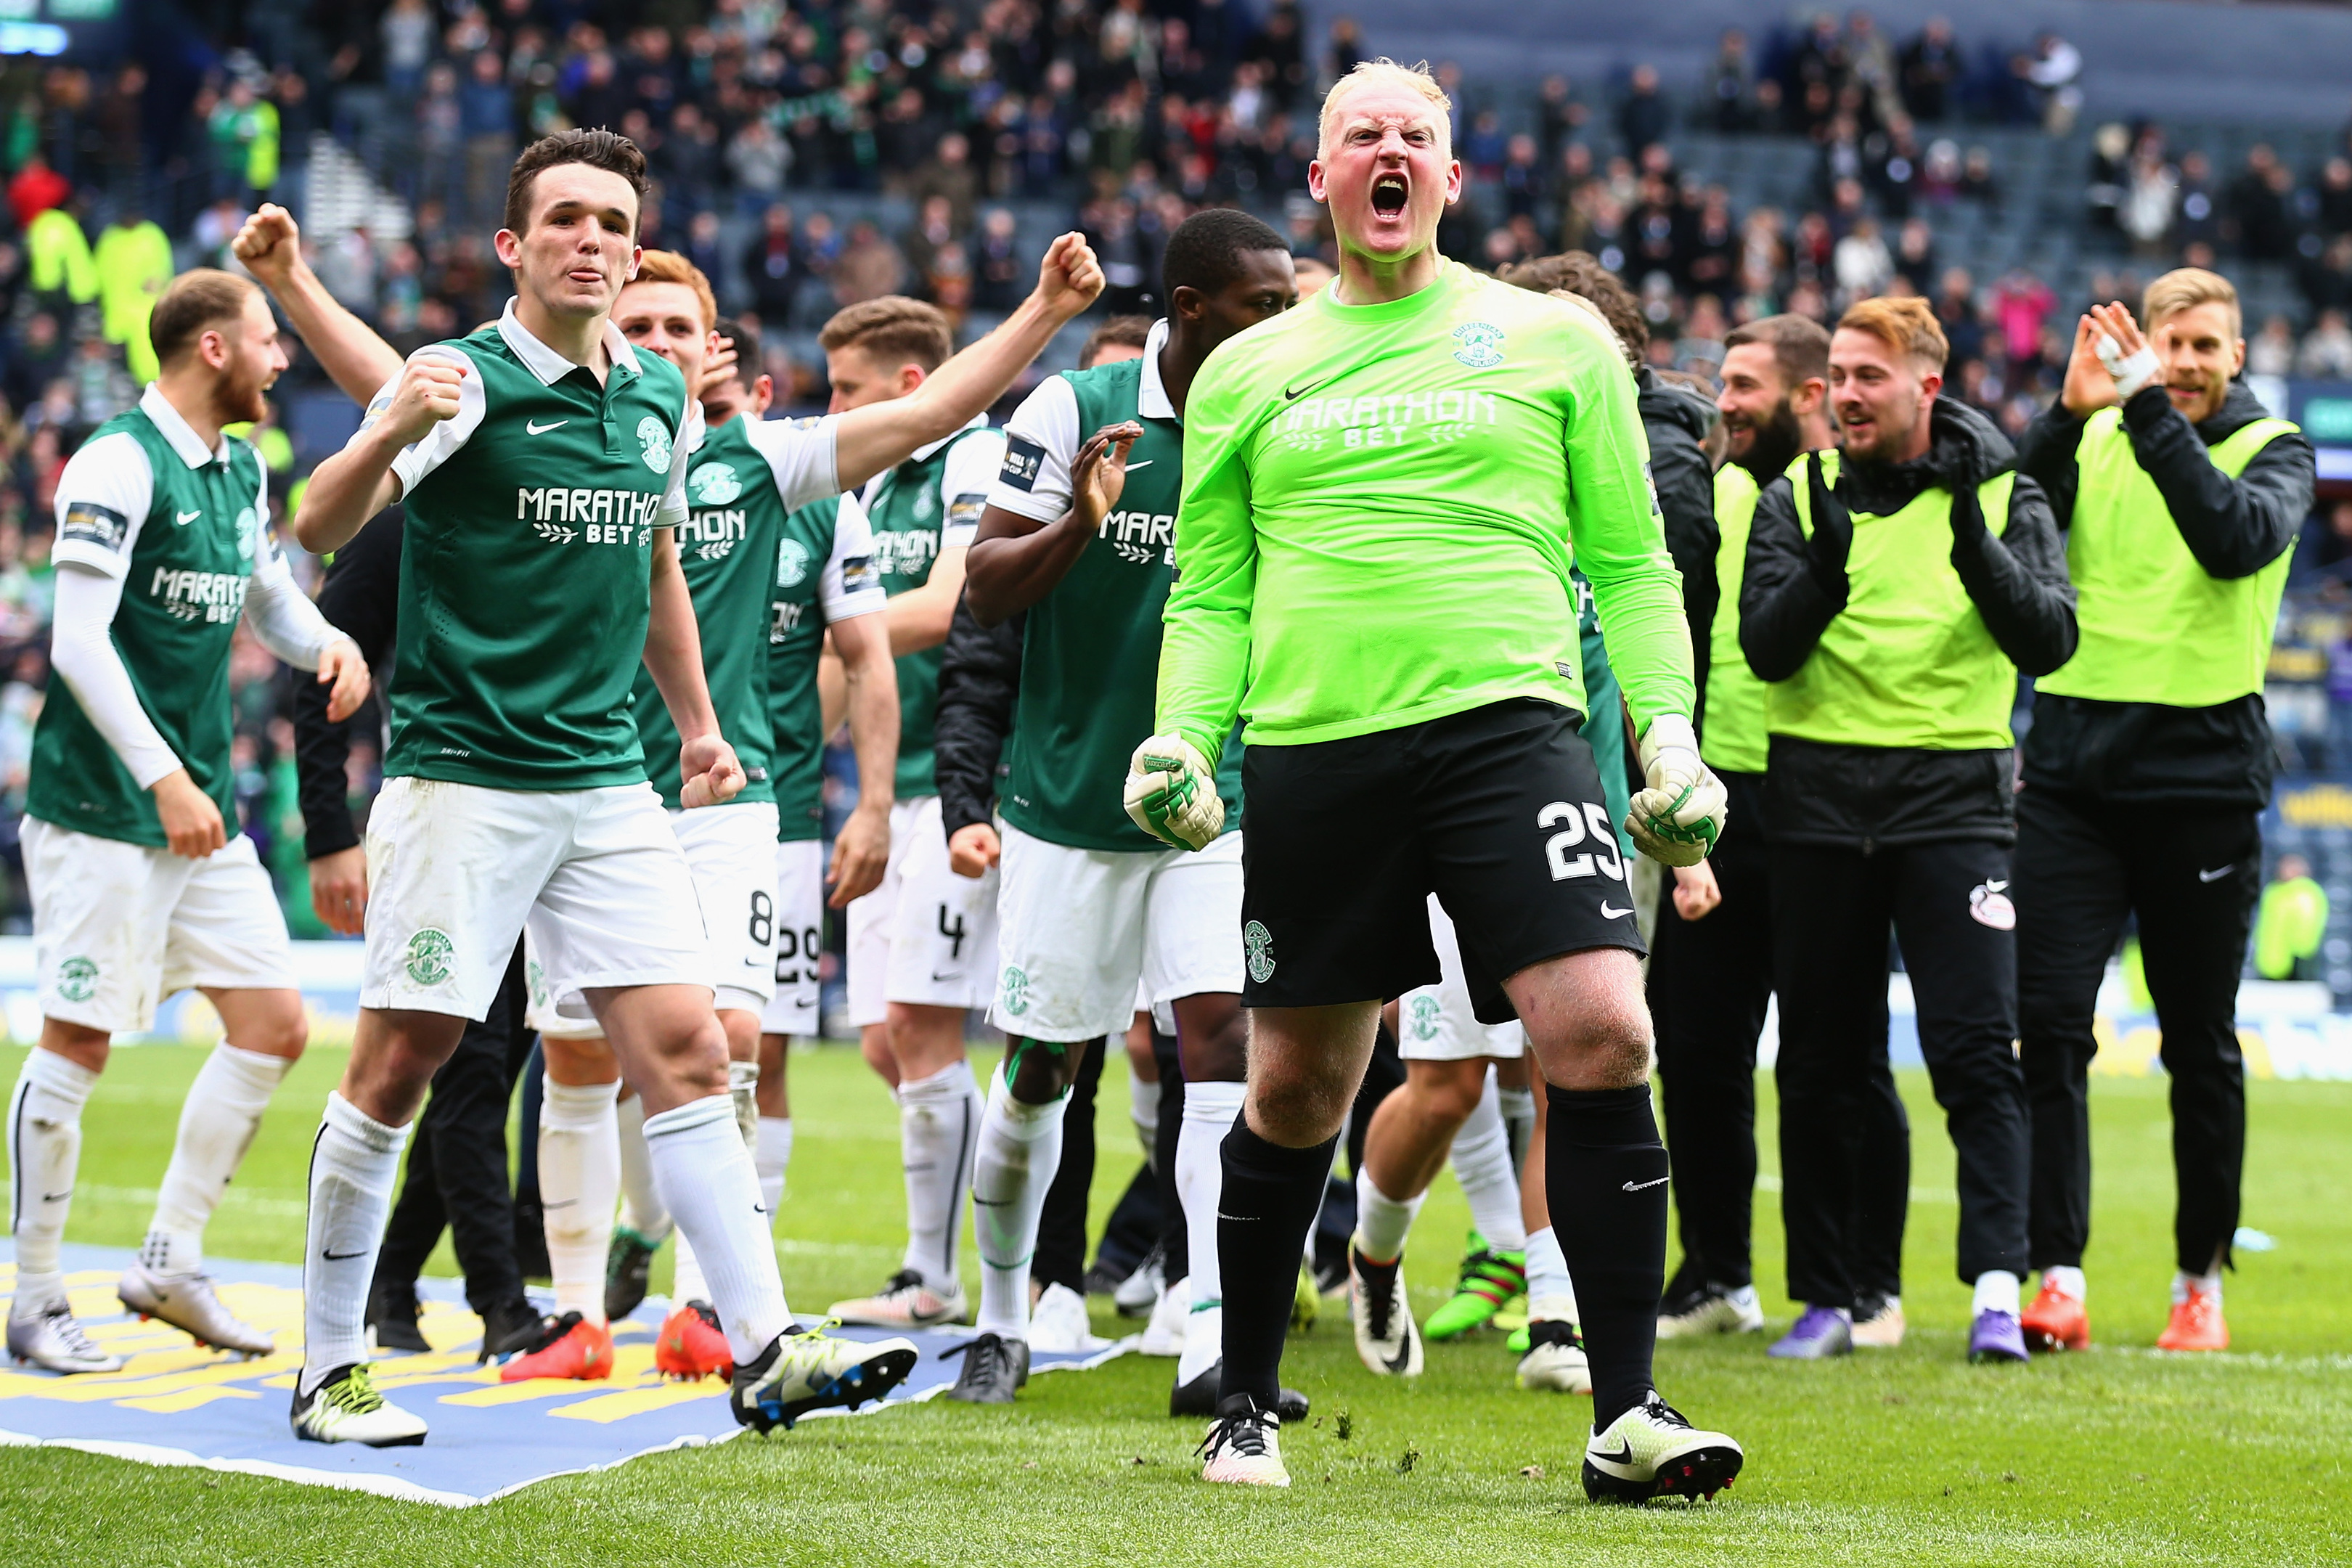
1384,492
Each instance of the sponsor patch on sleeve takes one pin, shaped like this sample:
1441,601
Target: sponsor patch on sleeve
376,405
91,523
859,571
1022,459
965,512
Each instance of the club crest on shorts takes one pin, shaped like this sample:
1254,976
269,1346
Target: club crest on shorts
1989,905
428,956
1480,344
653,435
1257,943
78,979
1424,1017
1016,990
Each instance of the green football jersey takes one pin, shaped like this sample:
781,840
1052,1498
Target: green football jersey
1382,505
1090,648
929,503
745,477
825,572
184,540
524,601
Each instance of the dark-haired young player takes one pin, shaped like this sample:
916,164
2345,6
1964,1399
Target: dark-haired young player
1079,533
543,461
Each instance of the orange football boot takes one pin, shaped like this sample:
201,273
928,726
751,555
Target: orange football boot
691,1345
2056,1321
572,1347
2196,1325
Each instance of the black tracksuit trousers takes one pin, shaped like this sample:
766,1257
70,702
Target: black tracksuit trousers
456,1171
1710,980
1948,903
2192,876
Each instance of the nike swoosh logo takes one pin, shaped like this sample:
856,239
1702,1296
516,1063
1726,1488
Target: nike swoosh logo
1403,1359
185,518
1609,911
936,975
57,1198
1145,464
559,1204
1638,1186
1292,393
534,428
1995,887
1623,1456
2215,875
343,1256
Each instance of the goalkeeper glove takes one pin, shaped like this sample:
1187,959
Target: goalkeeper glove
1172,793
1676,820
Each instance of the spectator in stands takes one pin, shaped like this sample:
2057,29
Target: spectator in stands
869,267
2326,353
2327,279
1730,80
2151,193
2333,207
2271,351
2197,224
1643,119
2054,70
2258,210
772,266
2290,922
1929,72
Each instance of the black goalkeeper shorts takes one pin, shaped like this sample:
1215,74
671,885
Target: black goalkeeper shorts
1498,811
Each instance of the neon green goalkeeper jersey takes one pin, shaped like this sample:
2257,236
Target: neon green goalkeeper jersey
1381,507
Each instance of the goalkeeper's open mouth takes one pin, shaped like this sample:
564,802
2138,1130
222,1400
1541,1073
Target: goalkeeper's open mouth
1390,193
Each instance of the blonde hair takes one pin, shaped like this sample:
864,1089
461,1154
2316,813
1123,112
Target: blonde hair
1384,70
669,267
1908,325
2184,287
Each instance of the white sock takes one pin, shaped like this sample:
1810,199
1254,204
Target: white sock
1210,1109
1489,1177
705,1177
641,1206
1143,1110
217,1121
773,1156
938,1125
1209,1113
2204,1284
44,1149
352,1165
1382,1222
1552,1298
1997,1291
2067,1281
1518,1108
743,1093
579,1178
685,1282
1020,1147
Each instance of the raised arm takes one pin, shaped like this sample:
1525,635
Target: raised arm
881,435
411,424
350,352
2017,578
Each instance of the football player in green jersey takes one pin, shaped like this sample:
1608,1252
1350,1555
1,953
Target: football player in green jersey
140,887
518,791
922,944
1079,535
1416,439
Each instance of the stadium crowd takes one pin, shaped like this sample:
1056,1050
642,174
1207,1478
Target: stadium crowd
990,123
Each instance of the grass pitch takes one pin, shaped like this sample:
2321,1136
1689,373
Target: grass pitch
2119,1456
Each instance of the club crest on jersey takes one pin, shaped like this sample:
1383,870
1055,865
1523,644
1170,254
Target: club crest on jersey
78,979
1479,344
1257,943
713,484
653,435
792,563
926,503
249,533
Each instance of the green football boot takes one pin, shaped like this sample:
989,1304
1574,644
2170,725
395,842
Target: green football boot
1489,1280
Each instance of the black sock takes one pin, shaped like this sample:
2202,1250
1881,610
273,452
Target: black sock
1264,1213
1606,1173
